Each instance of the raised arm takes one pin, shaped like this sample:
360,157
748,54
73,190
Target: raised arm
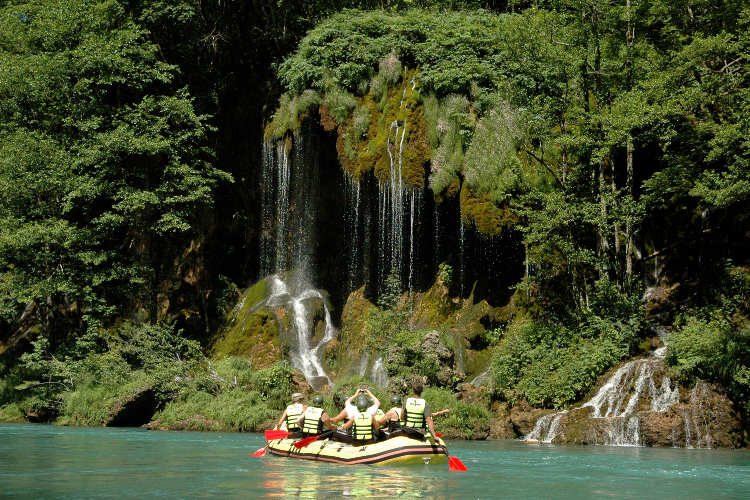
372,397
349,401
441,412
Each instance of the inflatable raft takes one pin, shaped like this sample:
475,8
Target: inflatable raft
399,450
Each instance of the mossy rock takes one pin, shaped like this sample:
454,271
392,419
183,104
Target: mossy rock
484,214
252,331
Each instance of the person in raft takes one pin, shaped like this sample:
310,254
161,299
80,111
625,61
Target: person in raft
393,417
314,419
364,424
416,412
350,410
292,413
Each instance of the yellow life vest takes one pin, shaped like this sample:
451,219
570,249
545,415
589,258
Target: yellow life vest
363,428
379,414
415,413
293,412
312,423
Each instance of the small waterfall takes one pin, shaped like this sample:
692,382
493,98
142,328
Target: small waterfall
462,237
353,223
618,402
697,433
482,378
300,299
378,375
290,187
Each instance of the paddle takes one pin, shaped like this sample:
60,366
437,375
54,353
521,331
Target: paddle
260,452
274,434
455,464
304,442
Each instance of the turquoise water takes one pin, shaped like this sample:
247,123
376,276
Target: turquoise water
57,462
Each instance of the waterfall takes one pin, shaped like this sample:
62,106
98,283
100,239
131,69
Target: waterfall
461,254
352,221
290,186
378,375
697,433
396,202
617,403
300,299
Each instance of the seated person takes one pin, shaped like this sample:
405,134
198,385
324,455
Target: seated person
315,419
292,413
416,412
363,424
393,417
350,410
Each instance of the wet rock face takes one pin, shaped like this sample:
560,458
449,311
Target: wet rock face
432,346
704,418
501,427
523,417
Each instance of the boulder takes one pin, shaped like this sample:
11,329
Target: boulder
524,417
431,345
501,426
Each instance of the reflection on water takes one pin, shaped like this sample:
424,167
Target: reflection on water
51,462
312,480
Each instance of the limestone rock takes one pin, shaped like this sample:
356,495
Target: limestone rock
501,426
431,345
524,417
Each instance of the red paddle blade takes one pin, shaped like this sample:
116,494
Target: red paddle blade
260,452
439,434
304,442
271,435
456,465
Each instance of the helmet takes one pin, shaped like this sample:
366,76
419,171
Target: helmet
362,402
396,400
317,400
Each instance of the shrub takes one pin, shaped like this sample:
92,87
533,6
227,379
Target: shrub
465,418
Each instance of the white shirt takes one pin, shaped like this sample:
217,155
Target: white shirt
352,411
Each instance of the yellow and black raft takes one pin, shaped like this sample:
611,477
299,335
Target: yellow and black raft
396,450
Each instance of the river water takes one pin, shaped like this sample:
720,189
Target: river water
38,461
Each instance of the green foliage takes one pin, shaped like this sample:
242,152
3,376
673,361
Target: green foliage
102,153
445,273
288,115
713,342
552,364
464,420
492,165
548,365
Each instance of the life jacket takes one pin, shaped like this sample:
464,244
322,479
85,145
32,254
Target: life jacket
379,414
414,409
293,412
312,424
363,430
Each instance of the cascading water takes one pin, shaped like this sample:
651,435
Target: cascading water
290,185
618,402
379,375
301,299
